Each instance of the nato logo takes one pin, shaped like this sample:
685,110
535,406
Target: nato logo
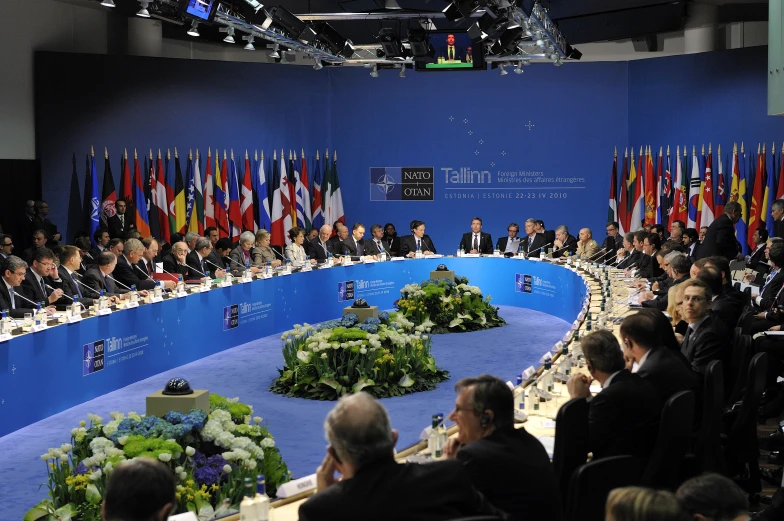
92,360
345,291
231,317
401,183
523,283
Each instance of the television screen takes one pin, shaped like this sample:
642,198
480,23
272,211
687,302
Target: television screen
454,51
203,10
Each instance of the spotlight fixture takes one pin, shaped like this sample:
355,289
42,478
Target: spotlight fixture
143,12
337,44
390,42
502,68
296,28
107,3
420,44
317,64
519,68
508,41
229,34
374,72
488,24
460,9
249,39
402,71
275,54
194,30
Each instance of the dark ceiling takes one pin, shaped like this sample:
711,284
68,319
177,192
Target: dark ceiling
580,21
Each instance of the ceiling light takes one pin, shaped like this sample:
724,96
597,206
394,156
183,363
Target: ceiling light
519,68
374,72
229,34
317,64
275,54
402,71
194,30
107,3
143,12
503,69
249,39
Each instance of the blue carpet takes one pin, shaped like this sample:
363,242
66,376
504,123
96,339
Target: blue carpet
247,371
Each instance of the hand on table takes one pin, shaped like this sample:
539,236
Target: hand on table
775,328
655,286
579,386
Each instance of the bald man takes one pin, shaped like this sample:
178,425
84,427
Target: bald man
586,246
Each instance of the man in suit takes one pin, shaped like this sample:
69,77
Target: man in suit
175,262
213,260
760,239
477,241
116,246
39,241
101,237
356,243
120,223
99,277
623,418
6,246
450,52
549,235
42,222
720,238
728,291
13,275
341,234
510,244
70,262
190,240
391,240
691,239
614,240
650,247
533,243
361,448
409,243
706,338
127,272
321,246
628,255
565,244
375,245
147,263
666,370
722,306
777,211
773,281
26,226
197,260
223,249
509,466
680,268
38,285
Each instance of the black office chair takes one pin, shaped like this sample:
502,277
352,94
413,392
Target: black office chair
747,296
736,382
736,285
741,450
591,484
708,438
672,444
571,442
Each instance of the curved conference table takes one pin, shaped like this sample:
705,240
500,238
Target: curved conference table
52,370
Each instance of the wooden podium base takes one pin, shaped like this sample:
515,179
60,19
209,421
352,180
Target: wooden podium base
435,275
362,313
158,404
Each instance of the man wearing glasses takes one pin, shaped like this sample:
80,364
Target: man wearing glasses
6,246
510,244
614,240
706,338
38,284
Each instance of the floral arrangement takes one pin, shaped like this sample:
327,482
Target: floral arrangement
450,306
210,454
385,356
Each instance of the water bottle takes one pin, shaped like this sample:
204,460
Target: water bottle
5,323
102,300
269,268
180,284
207,279
76,308
247,275
460,250
158,290
134,296
40,315
418,254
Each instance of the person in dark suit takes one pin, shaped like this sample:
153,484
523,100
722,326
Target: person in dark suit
628,255
120,223
565,244
533,243
11,299
355,243
667,370
450,51
127,273
773,281
680,269
477,241
691,239
706,338
321,246
26,227
549,235
175,262
197,261
408,243
39,241
99,277
622,419
150,256
341,234
720,238
728,291
650,247
723,307
642,263
375,245
614,240
39,285
391,240
509,466
361,448
760,238
509,245
70,262
42,222
101,238
777,211
716,497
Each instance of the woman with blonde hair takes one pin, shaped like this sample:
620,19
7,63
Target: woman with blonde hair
262,253
643,504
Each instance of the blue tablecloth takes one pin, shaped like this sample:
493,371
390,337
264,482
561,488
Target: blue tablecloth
44,373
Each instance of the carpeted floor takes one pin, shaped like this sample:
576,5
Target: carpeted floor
247,371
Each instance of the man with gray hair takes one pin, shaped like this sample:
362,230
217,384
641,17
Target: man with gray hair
534,242
199,260
373,485
190,240
127,272
565,243
13,276
777,212
680,268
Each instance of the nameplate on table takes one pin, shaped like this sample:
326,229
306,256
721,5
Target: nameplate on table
104,311
284,272
38,328
520,416
398,259
5,337
185,516
545,357
245,280
155,299
528,373
368,260
436,256
73,319
307,267
471,255
548,424
297,486
181,294
545,394
265,275
130,305
224,284
535,259
348,262
202,289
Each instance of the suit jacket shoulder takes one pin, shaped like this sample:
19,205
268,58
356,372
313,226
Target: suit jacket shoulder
668,372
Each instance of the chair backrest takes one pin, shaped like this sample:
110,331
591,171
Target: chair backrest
747,296
708,446
571,441
672,444
741,355
736,285
591,484
478,518
755,386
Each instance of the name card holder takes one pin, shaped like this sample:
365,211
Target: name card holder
108,311
153,300
73,319
528,373
307,266
5,337
297,486
181,294
284,272
130,305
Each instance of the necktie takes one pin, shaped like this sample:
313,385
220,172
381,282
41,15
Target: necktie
419,245
378,245
476,243
43,287
356,246
686,341
107,283
76,285
122,220
324,247
451,52
11,295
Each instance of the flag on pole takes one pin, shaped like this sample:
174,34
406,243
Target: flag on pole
623,200
262,199
336,197
305,182
318,212
126,185
770,189
152,199
196,224
679,196
108,195
667,193
140,208
635,201
162,201
756,218
693,220
651,199
221,215
612,207
661,207
170,182
708,214
180,220
254,185
246,197
235,216
209,190
780,187
190,191
95,197
298,198
721,194
292,185
277,227
285,198
738,194
326,193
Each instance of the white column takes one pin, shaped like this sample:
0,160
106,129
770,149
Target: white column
700,33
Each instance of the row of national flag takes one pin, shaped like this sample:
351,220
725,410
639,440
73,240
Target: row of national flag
233,195
693,188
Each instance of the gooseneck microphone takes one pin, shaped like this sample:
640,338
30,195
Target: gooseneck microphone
537,249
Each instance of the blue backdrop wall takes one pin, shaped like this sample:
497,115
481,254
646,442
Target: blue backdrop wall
501,147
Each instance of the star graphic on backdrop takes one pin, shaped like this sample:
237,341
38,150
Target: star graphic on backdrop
481,141
465,121
503,152
530,125
451,118
492,163
295,291
470,132
476,152
13,369
178,320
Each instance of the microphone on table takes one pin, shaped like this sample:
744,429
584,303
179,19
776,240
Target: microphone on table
67,296
25,298
527,254
118,282
218,267
605,256
619,306
148,276
86,286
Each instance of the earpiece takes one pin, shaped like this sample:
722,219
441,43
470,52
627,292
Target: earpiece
484,420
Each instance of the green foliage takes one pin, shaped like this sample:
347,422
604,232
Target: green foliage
238,411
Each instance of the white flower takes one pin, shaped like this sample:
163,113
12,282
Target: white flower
95,476
74,431
323,355
363,350
227,469
251,464
66,447
178,469
267,443
57,453
108,467
122,440
190,451
46,457
183,475
165,457
304,356
257,420
64,458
